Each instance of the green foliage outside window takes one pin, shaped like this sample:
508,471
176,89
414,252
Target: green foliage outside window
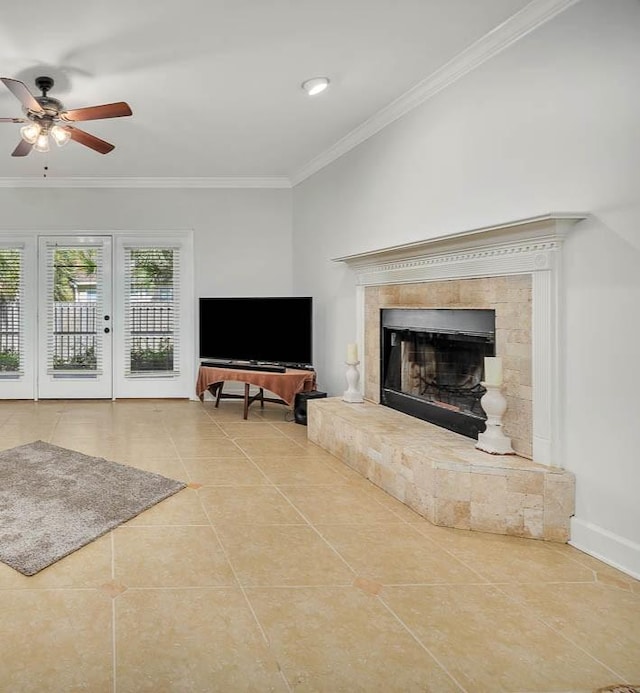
70,266
9,274
152,267
9,361
158,359
9,289
84,360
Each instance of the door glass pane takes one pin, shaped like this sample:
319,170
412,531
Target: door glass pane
10,314
150,319
74,287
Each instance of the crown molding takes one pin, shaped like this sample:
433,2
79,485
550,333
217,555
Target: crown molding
525,21
156,183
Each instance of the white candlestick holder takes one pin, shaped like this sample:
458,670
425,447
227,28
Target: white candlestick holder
352,393
493,440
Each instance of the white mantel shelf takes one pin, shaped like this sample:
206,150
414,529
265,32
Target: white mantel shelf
530,246
543,229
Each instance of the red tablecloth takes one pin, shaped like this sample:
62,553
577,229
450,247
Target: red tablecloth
286,385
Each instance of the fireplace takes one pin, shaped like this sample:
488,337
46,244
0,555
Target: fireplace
432,364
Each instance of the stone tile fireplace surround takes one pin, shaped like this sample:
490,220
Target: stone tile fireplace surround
510,297
512,269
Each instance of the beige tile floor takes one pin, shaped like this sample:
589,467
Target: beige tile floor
279,569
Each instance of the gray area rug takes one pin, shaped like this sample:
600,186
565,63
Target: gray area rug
53,501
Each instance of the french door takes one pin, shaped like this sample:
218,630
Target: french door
74,318
96,316
154,316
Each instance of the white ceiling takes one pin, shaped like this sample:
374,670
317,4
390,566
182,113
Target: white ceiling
215,84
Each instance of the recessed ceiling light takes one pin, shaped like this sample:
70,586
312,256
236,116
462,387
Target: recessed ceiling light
316,85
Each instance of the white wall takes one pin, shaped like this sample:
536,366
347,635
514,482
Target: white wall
242,238
550,124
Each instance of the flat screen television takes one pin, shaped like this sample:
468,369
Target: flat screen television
265,330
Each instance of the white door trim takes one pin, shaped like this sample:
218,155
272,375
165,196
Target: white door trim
76,385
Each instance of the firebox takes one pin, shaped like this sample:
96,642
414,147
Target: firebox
432,363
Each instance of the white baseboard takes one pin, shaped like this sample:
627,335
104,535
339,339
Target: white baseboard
606,546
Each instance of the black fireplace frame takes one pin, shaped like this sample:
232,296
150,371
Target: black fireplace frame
476,323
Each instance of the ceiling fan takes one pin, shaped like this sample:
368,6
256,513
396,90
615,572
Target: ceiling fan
45,116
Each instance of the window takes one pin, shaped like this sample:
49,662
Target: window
11,324
151,310
73,343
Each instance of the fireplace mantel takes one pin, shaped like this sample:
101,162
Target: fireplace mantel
525,246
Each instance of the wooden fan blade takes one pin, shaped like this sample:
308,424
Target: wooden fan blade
12,120
88,140
20,91
108,110
22,149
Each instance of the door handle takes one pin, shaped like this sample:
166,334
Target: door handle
107,330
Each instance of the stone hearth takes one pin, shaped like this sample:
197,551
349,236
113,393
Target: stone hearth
441,475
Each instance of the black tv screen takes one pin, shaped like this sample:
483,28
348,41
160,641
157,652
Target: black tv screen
273,330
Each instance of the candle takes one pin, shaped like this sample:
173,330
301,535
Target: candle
493,371
352,353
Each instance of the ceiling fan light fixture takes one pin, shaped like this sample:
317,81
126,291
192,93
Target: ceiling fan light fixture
316,85
60,135
42,142
30,132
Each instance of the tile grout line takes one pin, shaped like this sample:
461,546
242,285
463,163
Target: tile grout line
227,587
458,560
540,619
114,645
224,552
571,556
242,588
497,585
113,615
315,529
46,589
113,555
55,427
247,600
311,526
240,585
420,643
236,578
175,447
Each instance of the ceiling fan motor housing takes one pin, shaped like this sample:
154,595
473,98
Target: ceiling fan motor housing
51,106
44,84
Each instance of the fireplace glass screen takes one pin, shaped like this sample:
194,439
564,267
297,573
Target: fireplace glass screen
432,364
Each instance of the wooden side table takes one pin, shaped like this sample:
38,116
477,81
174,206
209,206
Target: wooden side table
286,385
